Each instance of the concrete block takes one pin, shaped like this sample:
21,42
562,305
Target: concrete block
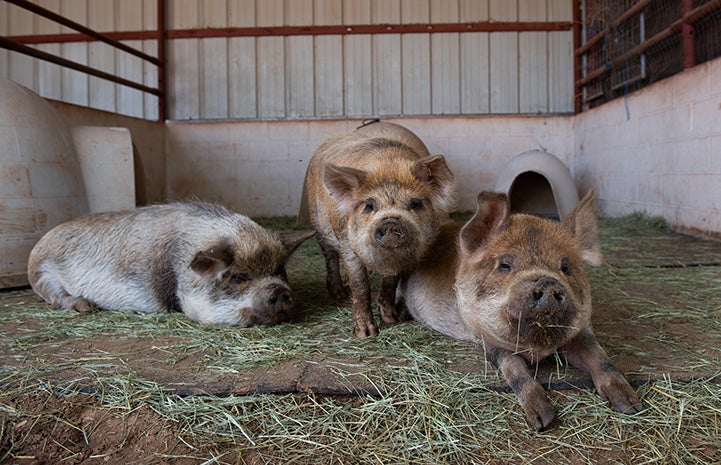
106,162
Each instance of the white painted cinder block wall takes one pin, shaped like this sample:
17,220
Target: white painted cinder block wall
658,151
257,167
663,159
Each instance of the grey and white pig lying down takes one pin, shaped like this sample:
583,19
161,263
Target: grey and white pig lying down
376,199
515,284
216,266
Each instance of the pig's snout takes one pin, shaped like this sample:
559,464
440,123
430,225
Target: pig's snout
547,294
280,298
390,233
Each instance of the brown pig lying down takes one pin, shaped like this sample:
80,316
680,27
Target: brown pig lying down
199,258
515,284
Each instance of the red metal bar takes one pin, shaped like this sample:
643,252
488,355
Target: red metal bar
73,37
368,29
162,106
688,36
79,27
39,54
306,30
577,72
691,17
635,9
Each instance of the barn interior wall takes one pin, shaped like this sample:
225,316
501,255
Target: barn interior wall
258,167
656,151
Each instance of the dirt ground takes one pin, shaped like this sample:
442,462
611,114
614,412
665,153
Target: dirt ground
644,347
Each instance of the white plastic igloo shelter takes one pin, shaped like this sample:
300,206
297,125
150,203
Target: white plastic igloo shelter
538,183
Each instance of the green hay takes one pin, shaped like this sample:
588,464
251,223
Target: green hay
433,403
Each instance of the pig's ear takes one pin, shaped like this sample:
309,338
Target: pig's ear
435,171
342,182
292,239
491,217
212,263
582,223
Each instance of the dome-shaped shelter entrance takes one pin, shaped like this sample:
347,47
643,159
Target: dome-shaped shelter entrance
538,183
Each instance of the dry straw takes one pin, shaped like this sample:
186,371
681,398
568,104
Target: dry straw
426,399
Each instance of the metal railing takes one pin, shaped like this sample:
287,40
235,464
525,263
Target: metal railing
159,61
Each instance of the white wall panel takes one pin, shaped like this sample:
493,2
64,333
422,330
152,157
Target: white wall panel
102,56
445,74
183,14
358,75
328,74
183,79
473,10
130,101
357,12
4,54
21,68
271,77
560,59
269,13
241,13
503,65
387,90
213,75
242,75
214,13
328,12
416,78
473,55
300,92
445,61
503,59
49,83
532,60
474,86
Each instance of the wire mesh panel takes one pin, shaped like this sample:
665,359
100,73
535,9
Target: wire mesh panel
628,44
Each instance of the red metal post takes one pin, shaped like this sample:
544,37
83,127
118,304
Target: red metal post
688,35
577,75
161,61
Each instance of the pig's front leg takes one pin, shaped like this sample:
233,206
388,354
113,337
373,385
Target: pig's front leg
529,392
333,280
360,288
585,353
387,301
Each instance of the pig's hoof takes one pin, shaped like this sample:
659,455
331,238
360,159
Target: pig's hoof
340,294
85,306
337,291
364,330
395,314
539,412
621,395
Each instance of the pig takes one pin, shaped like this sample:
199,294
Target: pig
216,266
376,199
514,283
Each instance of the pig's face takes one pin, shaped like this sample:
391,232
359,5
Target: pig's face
521,285
242,284
393,212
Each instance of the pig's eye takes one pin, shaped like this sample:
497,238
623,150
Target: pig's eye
369,206
280,271
237,278
415,205
505,263
564,266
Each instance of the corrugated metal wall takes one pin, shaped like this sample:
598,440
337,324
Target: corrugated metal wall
71,86
288,77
